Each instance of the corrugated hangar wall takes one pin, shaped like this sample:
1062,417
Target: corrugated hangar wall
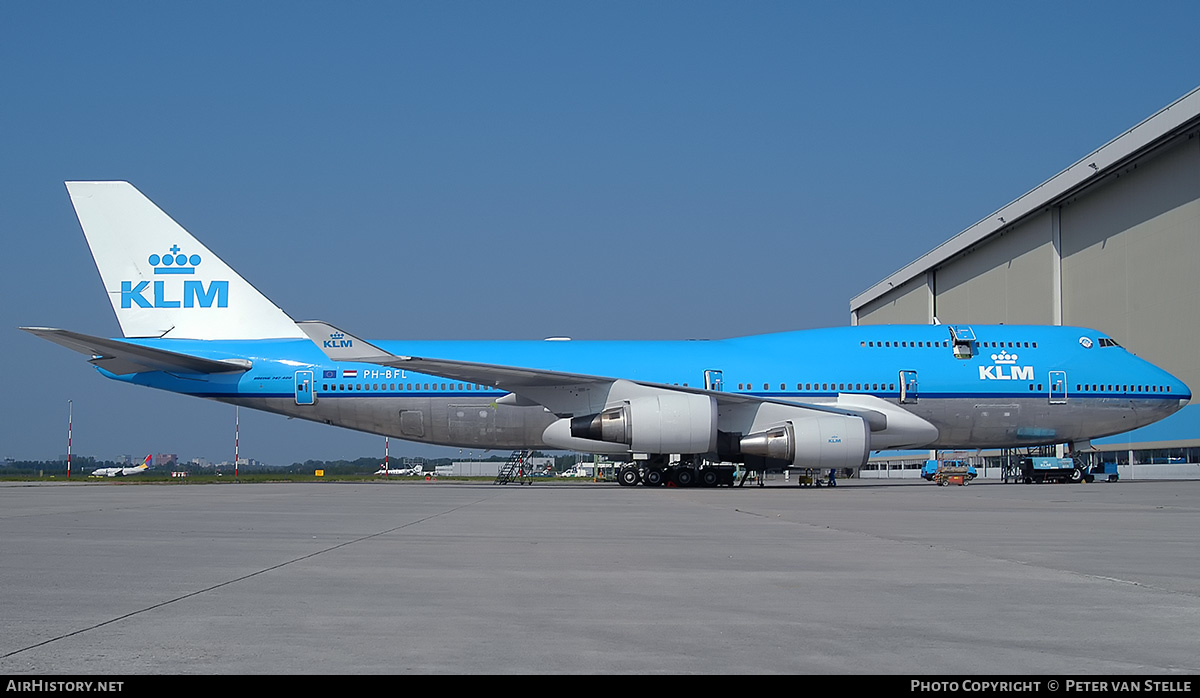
1120,256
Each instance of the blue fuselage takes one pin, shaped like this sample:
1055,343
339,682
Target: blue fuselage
1011,386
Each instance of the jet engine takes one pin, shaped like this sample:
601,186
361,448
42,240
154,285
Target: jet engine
816,441
661,423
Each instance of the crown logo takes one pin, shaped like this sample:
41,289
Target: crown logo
174,263
336,335
1004,358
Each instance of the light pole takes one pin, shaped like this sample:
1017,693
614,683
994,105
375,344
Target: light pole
70,415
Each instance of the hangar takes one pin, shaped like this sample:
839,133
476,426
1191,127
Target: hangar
1112,243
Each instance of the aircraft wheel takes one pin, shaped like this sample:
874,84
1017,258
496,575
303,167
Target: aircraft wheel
709,478
628,476
653,478
685,477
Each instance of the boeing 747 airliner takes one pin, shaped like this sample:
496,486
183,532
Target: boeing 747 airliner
813,398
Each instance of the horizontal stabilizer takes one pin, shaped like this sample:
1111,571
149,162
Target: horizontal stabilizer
122,358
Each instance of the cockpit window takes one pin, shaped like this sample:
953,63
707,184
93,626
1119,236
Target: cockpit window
1106,342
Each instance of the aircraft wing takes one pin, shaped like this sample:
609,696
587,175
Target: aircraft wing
123,358
561,392
349,348
576,395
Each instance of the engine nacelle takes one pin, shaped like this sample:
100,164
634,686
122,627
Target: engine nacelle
662,423
818,441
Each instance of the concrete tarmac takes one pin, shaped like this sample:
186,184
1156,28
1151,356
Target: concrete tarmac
867,578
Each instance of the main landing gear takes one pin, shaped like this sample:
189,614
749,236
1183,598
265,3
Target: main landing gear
657,472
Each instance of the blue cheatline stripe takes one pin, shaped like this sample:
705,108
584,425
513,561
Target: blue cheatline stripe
1073,397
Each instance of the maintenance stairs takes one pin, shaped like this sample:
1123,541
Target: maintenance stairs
514,469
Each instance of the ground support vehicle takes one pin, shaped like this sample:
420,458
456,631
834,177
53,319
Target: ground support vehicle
1049,469
949,472
812,478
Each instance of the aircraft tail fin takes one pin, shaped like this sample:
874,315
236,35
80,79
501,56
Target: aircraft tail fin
161,281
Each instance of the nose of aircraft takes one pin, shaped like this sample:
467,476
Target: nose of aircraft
1185,393
1176,387
1179,390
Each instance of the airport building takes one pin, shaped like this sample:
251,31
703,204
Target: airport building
1111,243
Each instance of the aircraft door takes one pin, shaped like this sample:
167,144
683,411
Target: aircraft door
713,381
304,388
908,387
1058,387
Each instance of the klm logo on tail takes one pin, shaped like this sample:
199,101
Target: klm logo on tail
337,340
166,294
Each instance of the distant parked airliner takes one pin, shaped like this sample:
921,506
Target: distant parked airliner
121,471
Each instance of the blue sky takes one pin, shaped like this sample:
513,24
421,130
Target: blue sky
517,170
